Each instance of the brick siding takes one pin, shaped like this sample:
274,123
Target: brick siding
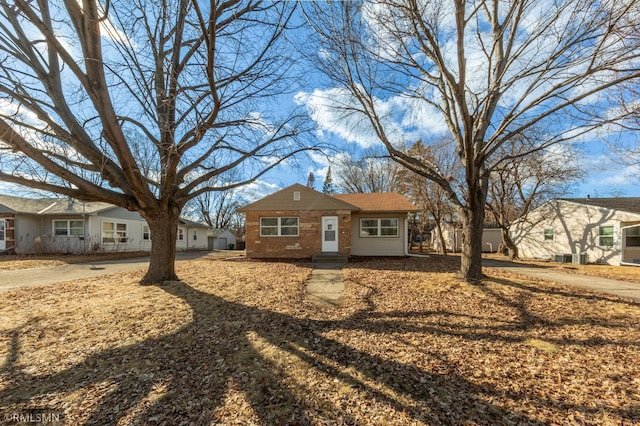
306,244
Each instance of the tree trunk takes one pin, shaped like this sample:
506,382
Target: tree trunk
508,243
443,243
472,223
164,228
471,262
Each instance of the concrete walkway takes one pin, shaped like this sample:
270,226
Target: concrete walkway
603,285
326,284
53,274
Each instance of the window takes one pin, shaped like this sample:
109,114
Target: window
549,234
379,227
605,236
146,233
68,228
633,237
180,234
279,226
195,235
114,232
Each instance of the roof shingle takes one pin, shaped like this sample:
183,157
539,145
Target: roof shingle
379,202
626,204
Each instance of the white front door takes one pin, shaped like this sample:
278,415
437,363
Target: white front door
3,240
330,234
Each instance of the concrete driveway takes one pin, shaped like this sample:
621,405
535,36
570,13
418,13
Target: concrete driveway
53,274
603,285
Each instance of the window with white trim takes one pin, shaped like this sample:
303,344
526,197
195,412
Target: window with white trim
632,237
378,228
549,234
605,236
113,232
195,235
146,233
180,234
279,227
68,228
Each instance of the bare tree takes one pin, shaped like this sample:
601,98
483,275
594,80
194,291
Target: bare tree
525,182
430,197
142,104
487,70
624,139
368,174
217,208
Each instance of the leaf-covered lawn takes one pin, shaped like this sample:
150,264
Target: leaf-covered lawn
238,342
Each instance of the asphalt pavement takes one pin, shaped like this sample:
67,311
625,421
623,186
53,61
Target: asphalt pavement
53,274
602,285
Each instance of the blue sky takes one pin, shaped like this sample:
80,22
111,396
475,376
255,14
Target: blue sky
604,175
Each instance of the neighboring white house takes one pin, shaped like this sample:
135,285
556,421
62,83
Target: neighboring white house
491,238
220,239
582,230
57,225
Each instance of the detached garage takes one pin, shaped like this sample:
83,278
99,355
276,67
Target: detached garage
221,239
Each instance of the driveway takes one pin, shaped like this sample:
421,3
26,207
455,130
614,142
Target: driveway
53,274
603,285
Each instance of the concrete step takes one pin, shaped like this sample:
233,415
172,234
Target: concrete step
329,258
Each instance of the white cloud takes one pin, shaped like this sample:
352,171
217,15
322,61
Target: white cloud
257,190
607,177
336,111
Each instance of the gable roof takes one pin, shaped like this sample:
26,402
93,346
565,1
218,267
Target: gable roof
52,206
216,232
379,202
310,199
625,204
191,223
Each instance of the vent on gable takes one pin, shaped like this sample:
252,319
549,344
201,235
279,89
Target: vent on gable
296,195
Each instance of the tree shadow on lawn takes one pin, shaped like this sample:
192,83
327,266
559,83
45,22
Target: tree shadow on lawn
183,377
451,264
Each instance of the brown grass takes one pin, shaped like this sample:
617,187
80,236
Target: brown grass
238,342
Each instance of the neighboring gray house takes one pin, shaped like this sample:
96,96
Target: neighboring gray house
220,239
582,230
57,225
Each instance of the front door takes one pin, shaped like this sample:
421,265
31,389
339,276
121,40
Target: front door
3,240
330,234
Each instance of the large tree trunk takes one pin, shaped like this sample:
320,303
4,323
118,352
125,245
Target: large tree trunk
164,229
472,223
471,262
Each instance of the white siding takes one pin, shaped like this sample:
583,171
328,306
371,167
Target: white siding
575,231
188,243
